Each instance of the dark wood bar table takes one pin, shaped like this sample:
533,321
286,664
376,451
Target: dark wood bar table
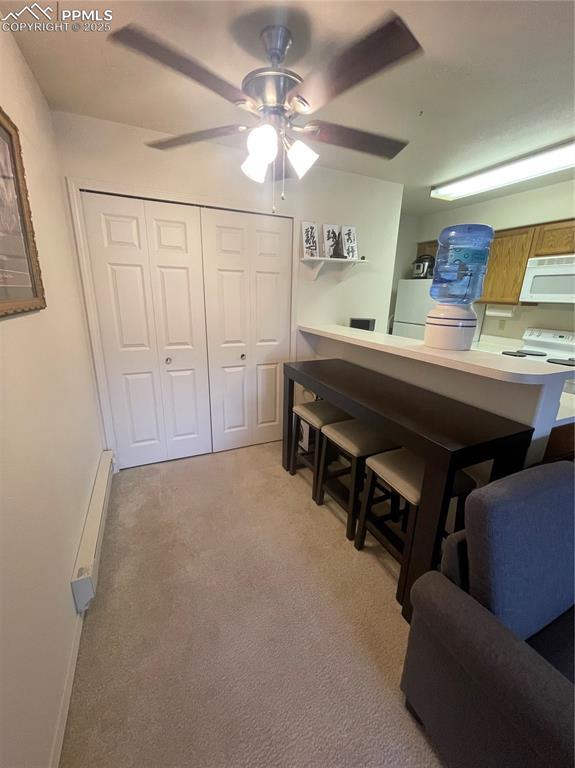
448,434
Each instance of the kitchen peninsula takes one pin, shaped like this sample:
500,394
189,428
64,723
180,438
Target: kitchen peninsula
527,391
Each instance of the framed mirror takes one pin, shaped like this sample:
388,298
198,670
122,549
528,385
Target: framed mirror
21,287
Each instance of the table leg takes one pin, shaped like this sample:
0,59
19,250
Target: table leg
511,458
288,434
422,546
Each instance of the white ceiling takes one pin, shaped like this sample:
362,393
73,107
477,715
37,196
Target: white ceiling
495,81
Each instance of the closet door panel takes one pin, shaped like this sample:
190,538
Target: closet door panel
117,241
175,246
270,320
247,267
226,241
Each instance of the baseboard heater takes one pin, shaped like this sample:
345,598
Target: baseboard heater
88,558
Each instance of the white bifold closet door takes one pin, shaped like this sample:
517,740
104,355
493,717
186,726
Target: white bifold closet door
247,274
146,260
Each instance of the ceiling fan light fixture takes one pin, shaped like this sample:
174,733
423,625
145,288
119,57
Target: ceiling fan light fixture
301,158
255,168
263,143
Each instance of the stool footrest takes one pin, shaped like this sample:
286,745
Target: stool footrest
387,537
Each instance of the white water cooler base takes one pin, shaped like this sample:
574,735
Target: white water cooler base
450,326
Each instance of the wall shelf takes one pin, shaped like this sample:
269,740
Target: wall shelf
316,264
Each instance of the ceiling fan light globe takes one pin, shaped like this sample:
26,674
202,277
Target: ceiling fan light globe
301,158
255,168
263,143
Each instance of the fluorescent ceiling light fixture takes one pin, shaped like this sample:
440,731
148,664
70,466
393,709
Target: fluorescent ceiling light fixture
255,168
549,161
263,143
301,157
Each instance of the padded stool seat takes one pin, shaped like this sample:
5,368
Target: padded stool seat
357,438
319,413
403,471
316,414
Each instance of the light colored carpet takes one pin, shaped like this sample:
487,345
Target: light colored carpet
236,627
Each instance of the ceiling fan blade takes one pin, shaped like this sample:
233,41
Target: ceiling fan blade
141,41
191,138
382,47
352,138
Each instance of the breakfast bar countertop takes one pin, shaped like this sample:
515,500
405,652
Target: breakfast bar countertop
476,361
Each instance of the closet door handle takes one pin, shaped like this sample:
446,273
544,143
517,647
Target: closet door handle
168,360
242,357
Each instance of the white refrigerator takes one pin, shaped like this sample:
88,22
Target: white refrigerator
412,305
411,308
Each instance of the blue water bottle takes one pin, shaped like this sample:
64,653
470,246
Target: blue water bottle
460,267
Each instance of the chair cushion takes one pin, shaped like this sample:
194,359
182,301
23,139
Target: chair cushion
357,438
319,413
403,471
555,643
520,545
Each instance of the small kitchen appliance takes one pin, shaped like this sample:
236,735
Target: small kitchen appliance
550,280
423,267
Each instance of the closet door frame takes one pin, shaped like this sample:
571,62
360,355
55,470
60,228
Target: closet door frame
75,188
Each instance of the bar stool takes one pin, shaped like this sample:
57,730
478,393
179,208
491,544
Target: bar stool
316,414
402,473
355,440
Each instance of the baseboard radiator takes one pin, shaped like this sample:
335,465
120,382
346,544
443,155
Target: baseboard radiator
88,558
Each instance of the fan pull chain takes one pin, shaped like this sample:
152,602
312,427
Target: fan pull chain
274,187
283,194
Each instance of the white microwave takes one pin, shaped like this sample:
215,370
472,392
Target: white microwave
550,279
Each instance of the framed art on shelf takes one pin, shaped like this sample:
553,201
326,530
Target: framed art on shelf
310,240
349,242
331,236
21,287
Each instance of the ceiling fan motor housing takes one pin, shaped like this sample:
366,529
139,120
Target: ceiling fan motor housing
268,87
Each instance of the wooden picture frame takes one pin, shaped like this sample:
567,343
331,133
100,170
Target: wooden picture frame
21,288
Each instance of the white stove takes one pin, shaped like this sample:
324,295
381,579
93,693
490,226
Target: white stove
556,347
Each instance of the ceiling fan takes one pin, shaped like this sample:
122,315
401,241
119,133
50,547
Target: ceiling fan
278,97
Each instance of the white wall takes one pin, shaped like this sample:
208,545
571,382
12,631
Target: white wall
550,203
406,251
49,445
209,174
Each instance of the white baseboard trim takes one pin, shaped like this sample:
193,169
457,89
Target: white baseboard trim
58,741
84,586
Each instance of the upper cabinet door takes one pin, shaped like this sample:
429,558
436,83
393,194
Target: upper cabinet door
507,262
175,247
554,239
117,241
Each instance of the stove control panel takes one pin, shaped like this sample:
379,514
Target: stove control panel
560,338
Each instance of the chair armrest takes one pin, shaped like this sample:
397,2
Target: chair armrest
517,683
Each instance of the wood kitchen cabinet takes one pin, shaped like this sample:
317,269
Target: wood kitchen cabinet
554,239
510,250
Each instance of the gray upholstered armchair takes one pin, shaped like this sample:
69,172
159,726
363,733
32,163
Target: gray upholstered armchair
489,665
